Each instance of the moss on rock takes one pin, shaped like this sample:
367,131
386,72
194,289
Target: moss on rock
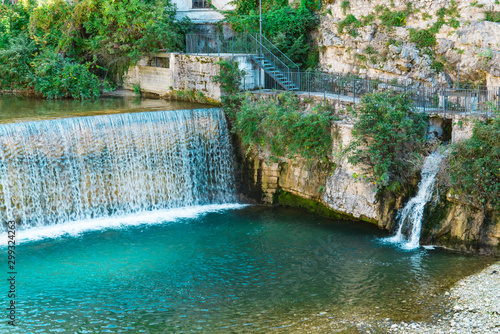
291,200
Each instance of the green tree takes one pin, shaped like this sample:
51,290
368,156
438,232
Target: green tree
389,139
105,37
286,27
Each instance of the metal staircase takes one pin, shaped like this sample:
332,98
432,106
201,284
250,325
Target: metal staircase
260,50
276,73
276,64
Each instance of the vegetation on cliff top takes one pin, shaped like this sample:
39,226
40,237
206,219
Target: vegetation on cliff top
74,49
277,125
389,140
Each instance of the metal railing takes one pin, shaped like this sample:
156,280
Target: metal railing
280,55
277,60
425,96
347,88
216,44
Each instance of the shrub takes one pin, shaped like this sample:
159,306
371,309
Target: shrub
103,36
56,77
345,6
229,78
452,11
394,19
15,62
278,126
422,38
474,166
492,16
389,138
437,66
350,21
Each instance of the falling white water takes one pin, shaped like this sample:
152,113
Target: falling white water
410,217
89,168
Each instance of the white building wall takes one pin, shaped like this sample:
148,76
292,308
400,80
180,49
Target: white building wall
202,15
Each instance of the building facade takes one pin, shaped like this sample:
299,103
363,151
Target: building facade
202,12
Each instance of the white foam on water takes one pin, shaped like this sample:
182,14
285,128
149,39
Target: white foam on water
111,170
76,228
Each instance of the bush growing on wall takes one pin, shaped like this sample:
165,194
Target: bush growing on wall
279,127
389,139
229,78
474,166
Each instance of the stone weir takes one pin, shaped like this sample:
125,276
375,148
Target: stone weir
73,169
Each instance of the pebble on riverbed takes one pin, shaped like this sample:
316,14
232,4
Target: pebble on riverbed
475,307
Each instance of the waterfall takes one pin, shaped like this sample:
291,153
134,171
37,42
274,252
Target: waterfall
72,169
410,217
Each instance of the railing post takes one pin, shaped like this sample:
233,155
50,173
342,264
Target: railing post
338,86
423,95
324,88
354,91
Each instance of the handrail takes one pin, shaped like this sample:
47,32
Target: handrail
284,55
272,54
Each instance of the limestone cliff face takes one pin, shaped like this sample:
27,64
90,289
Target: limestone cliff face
337,193
455,224
333,191
464,41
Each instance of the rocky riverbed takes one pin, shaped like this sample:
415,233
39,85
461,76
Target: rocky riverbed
474,307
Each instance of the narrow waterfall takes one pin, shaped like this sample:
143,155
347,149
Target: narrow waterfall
410,217
72,169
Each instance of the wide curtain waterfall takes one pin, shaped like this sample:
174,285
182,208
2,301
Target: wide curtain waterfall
62,170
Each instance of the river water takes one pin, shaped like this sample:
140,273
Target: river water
163,262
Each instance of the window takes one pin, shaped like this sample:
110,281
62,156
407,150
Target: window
201,4
159,62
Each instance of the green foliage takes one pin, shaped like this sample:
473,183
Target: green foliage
137,89
229,78
121,32
422,38
437,66
359,57
345,6
426,16
368,19
286,27
392,41
279,126
370,50
452,12
14,20
15,62
492,16
394,18
474,166
389,138
58,77
350,22
103,36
